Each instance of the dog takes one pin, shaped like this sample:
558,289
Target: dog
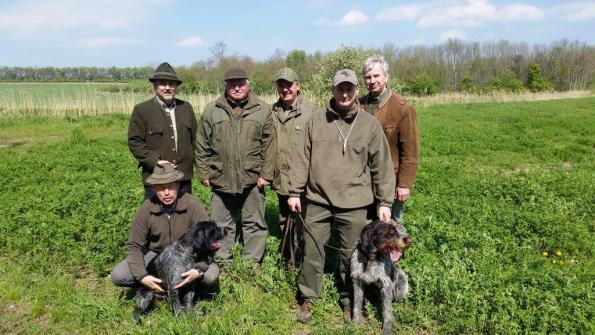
195,249
380,246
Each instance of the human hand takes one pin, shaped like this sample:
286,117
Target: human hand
294,204
161,162
384,213
189,276
261,182
402,194
206,183
152,283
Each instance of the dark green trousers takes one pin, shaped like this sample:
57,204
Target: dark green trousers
249,205
320,221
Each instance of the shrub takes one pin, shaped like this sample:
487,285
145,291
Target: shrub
422,85
506,82
535,81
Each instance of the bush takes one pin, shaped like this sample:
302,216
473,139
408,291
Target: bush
506,82
422,85
535,81
467,85
319,88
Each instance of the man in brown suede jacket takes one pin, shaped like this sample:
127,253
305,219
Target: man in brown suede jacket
399,122
159,222
343,168
162,130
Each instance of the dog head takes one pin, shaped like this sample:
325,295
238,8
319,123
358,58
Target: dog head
203,237
382,240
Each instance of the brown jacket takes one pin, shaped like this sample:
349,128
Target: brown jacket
399,121
152,229
290,128
351,179
232,153
151,136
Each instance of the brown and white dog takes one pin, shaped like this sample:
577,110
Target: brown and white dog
373,266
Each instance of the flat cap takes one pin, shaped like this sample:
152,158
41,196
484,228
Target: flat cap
235,73
287,74
164,174
345,75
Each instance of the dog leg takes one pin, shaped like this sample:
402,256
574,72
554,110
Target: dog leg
401,285
358,300
144,297
189,297
174,297
387,307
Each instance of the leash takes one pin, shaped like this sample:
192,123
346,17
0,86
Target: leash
315,241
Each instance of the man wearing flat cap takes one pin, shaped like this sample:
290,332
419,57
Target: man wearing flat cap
344,167
290,114
235,158
159,222
162,130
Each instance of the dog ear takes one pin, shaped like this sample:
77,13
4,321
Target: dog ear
366,241
188,237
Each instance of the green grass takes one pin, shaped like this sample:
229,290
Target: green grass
499,184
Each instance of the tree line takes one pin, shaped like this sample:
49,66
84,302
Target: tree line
454,65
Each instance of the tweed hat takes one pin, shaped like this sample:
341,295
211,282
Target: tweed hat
287,74
235,73
164,174
345,75
165,72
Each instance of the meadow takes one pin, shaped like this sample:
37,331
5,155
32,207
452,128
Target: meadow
501,217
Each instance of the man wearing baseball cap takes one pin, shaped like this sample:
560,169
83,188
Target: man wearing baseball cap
344,167
235,158
159,221
290,113
162,130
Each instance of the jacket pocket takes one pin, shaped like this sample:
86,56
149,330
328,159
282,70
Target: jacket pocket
215,172
154,137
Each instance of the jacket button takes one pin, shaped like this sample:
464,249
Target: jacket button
174,149
171,126
172,137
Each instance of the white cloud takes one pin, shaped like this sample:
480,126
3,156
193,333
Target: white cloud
322,22
452,34
575,11
353,18
399,13
102,41
29,17
478,12
190,42
519,12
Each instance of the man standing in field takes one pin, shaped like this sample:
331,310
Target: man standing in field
399,121
162,130
343,168
160,221
235,157
290,114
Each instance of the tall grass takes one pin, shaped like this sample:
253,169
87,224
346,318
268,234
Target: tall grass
89,99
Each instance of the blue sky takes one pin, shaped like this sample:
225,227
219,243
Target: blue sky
146,32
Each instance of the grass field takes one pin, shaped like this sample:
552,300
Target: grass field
501,217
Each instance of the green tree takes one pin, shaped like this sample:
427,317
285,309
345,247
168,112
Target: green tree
296,59
535,81
507,82
422,85
319,88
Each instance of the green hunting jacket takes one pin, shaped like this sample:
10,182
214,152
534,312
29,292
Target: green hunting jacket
348,179
151,136
232,153
153,230
289,130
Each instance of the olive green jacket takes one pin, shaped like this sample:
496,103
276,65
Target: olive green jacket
348,179
151,136
232,153
289,130
153,230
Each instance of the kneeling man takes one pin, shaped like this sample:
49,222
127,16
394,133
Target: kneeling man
160,221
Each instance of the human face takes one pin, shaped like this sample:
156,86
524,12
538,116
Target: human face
375,79
167,193
165,89
237,89
288,91
345,94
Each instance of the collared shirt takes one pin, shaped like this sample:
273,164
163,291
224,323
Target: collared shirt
170,112
237,107
374,103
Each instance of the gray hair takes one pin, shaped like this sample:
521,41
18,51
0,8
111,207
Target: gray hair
373,60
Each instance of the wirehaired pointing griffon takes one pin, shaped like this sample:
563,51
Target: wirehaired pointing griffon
373,266
195,249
